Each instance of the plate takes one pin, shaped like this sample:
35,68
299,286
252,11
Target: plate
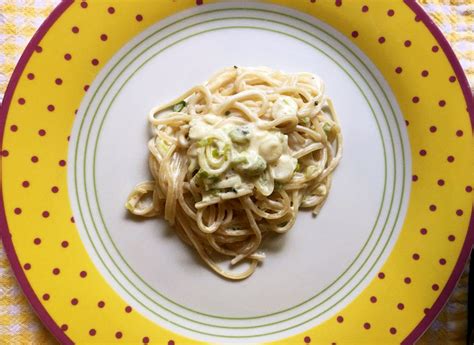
376,266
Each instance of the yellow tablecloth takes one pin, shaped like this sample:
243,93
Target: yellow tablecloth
19,20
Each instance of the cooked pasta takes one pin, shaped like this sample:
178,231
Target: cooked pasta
234,159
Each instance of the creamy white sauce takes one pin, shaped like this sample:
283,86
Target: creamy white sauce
271,148
283,170
284,106
253,155
203,126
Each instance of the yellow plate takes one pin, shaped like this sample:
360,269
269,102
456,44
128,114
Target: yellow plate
65,113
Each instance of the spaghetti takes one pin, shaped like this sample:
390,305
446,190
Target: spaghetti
234,160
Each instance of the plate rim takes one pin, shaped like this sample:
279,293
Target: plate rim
458,269
5,235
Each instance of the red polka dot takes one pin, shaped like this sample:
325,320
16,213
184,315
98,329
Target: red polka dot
451,238
459,213
25,184
170,342
398,70
442,103
433,129
425,73
414,178
118,335
338,3
30,76
393,330
440,182
422,152
83,274
64,327
92,332
340,319
381,40
84,4
103,37
407,122
13,128
423,231
416,256
95,62
128,309
434,49
400,306
27,266
38,49
72,219
5,153
367,325
21,101
390,12
435,287
407,43
111,10
307,340
64,244
139,17
34,159
74,301
17,210
407,280
450,159
459,133
365,8
41,132
51,107
58,81
37,241
355,34
433,208
75,29
373,299
45,214
101,304
415,99
468,189
442,261
62,162
56,271
86,87
199,2
145,340
67,56
452,79
46,297
381,275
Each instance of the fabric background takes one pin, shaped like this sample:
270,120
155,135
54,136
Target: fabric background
19,19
